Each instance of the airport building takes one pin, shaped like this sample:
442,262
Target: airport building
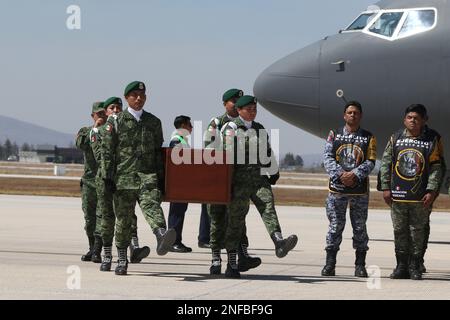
52,154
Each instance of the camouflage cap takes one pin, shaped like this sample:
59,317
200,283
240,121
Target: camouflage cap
245,101
232,93
135,85
112,100
98,106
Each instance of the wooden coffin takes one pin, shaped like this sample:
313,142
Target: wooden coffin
190,176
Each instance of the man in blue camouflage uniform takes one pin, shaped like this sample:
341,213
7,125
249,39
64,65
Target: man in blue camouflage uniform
349,157
105,208
246,142
218,213
88,188
411,174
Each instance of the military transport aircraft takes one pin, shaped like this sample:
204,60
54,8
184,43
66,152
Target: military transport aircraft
392,55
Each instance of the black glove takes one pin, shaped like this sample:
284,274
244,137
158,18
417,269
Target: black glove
274,178
110,186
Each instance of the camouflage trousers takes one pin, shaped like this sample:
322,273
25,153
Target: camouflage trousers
105,211
336,208
218,215
427,230
89,205
409,221
257,189
149,200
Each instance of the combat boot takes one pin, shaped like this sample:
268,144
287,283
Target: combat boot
106,264
283,246
88,255
330,264
97,250
165,240
216,263
232,267
122,264
401,270
216,267
360,264
107,259
245,261
137,254
414,268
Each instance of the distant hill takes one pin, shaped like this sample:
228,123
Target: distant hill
20,132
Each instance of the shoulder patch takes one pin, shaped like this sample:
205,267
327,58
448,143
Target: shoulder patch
330,136
214,123
232,125
229,129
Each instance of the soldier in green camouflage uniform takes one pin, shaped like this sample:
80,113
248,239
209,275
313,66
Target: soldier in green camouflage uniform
410,178
427,225
88,190
134,171
246,140
218,213
113,106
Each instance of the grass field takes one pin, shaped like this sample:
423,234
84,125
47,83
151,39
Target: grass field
40,187
294,197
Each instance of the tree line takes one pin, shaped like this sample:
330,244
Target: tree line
8,149
291,160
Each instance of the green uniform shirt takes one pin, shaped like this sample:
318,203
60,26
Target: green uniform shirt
245,144
132,150
213,132
96,138
90,165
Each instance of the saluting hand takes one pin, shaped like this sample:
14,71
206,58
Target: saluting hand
99,122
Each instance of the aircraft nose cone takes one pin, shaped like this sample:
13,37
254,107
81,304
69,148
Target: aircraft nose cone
290,88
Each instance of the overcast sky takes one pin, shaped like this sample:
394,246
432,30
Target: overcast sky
187,52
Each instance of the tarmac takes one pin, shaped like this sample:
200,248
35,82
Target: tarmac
42,239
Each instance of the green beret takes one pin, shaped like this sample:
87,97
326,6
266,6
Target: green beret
245,101
112,100
232,93
135,85
98,106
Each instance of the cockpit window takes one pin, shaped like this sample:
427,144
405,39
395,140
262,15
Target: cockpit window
417,21
396,24
386,24
362,21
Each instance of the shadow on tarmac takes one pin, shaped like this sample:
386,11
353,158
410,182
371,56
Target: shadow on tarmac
198,277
